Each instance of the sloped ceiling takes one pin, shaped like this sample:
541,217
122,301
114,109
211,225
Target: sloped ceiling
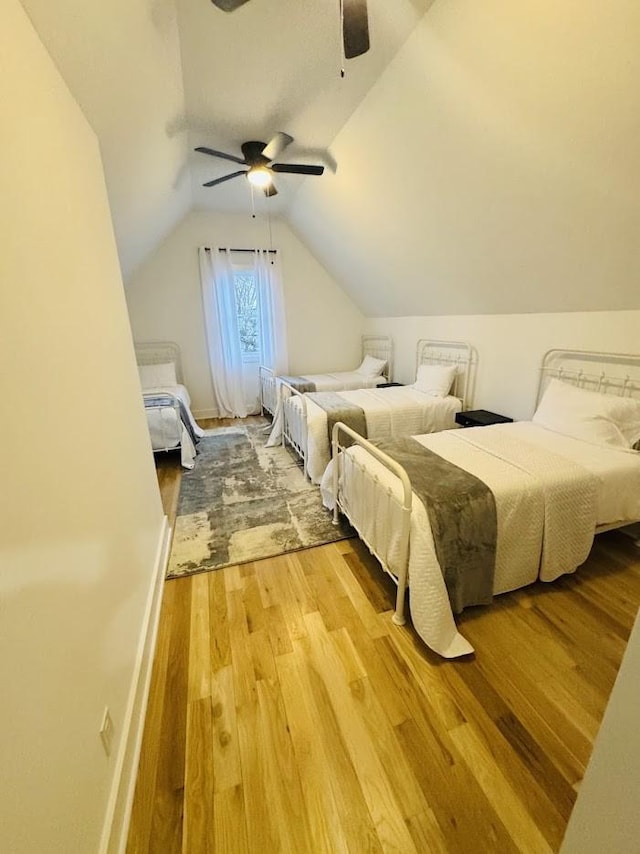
156,78
493,168
121,62
483,157
275,66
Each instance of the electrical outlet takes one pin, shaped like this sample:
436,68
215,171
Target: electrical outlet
106,731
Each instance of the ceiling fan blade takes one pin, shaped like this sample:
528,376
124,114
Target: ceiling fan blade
225,178
276,145
228,5
270,190
297,168
355,28
215,153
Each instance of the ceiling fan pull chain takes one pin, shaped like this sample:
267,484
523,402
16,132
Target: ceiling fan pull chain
270,234
253,202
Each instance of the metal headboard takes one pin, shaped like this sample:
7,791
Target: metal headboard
459,353
380,347
158,353
607,373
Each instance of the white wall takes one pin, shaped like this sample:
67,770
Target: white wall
121,61
164,297
80,513
510,347
492,168
606,816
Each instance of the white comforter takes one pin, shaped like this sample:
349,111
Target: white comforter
166,429
394,411
343,381
551,492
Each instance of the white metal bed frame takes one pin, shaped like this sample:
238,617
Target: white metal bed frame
160,353
592,371
378,346
607,373
431,351
428,352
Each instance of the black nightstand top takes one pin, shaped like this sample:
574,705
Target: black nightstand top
480,418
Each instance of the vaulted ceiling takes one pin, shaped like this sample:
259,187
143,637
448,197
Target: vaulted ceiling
156,78
483,157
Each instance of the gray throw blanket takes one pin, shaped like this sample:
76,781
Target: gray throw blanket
462,513
301,384
339,409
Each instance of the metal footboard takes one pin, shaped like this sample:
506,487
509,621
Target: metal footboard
402,501
164,421
294,421
268,390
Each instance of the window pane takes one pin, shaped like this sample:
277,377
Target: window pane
247,309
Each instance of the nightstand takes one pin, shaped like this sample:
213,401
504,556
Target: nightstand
480,418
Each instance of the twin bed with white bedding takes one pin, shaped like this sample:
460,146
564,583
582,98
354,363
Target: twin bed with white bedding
166,400
376,368
441,389
551,484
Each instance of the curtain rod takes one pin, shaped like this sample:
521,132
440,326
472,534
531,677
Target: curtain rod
224,249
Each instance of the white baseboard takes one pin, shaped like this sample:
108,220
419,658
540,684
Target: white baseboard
213,413
205,413
116,823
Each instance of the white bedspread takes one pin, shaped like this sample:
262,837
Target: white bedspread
550,491
166,429
343,381
393,411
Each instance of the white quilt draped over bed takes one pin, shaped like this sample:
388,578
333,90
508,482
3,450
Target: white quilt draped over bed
546,503
341,381
395,411
166,429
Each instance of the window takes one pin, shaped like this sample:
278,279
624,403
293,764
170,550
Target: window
248,311
243,303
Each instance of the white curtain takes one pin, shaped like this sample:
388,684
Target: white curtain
223,340
273,323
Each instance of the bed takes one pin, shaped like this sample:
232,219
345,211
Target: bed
442,388
376,368
556,481
166,400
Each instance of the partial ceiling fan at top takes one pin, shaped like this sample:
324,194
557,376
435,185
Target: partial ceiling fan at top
355,23
259,157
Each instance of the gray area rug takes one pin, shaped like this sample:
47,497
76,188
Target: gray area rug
243,501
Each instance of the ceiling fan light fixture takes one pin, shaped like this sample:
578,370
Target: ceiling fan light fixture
259,176
258,157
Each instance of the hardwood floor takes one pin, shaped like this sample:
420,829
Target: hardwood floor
287,713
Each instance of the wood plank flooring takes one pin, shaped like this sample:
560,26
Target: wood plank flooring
287,713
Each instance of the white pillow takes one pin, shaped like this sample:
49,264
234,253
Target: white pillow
371,367
157,376
603,419
435,380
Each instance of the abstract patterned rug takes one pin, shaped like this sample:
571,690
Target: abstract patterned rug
243,501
